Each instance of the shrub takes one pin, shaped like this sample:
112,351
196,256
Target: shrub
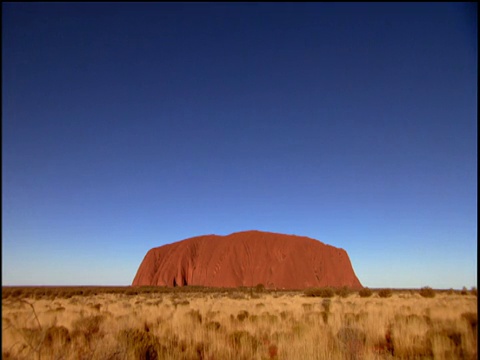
260,288
385,293
343,292
473,291
464,291
325,292
131,292
365,292
427,292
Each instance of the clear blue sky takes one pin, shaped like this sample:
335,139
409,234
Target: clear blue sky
127,126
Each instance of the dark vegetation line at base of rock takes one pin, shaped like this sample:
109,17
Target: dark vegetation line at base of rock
37,292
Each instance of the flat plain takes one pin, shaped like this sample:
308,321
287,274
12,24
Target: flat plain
245,323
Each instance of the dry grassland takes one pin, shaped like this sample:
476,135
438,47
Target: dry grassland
239,325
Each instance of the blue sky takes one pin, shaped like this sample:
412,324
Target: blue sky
127,126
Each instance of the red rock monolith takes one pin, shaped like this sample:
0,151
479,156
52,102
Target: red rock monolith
247,258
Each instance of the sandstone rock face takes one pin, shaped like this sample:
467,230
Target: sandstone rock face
247,258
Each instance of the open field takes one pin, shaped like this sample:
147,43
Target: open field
197,323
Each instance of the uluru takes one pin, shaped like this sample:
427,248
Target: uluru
247,258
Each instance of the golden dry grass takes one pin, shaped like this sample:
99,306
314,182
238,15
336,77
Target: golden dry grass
237,325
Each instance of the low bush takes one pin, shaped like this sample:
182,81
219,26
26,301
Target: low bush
365,292
325,292
260,288
131,292
427,292
343,291
385,293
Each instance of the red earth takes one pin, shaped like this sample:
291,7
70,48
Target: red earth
247,258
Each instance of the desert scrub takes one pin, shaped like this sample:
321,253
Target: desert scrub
260,288
140,344
408,327
343,292
325,292
365,292
427,292
385,293
237,296
131,292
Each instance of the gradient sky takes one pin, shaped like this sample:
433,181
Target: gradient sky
127,126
